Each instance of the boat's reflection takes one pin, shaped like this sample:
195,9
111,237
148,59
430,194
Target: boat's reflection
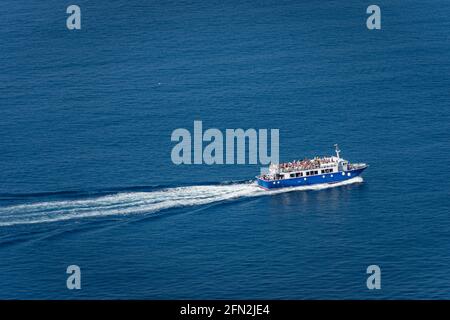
332,198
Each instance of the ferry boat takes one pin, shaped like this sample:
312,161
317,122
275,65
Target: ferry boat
304,172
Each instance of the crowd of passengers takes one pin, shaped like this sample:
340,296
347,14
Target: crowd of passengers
305,164
298,165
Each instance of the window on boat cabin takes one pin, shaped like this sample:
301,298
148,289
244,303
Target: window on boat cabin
316,172
299,174
292,175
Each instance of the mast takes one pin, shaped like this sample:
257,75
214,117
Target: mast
338,152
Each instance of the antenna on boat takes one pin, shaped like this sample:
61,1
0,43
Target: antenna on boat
337,151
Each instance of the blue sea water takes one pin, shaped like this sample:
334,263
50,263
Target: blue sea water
86,176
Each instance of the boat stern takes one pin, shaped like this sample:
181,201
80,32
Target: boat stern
264,184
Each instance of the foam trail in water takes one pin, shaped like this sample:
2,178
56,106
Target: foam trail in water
139,202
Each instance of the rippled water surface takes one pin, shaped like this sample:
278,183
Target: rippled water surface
86,176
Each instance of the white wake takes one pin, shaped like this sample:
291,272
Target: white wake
139,202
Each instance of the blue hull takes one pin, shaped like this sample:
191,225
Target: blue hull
311,180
